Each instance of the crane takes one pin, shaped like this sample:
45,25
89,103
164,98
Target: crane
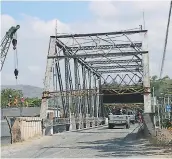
9,37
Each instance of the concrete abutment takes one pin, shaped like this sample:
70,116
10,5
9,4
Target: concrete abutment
24,128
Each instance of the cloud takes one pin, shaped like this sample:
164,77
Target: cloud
34,69
103,9
33,35
128,15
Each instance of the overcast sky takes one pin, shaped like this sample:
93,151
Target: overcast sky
37,21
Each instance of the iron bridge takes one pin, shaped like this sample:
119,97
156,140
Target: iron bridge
84,71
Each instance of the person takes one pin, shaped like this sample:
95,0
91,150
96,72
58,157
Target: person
121,111
140,118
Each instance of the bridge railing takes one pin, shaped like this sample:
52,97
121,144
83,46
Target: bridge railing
61,121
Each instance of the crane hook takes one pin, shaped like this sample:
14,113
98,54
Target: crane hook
14,42
16,73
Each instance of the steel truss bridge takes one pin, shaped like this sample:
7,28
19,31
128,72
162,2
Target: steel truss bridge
83,70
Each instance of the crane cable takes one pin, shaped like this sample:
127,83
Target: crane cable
16,65
165,46
14,42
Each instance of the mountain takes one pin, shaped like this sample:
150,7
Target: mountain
28,91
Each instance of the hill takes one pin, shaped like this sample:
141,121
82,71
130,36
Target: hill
28,91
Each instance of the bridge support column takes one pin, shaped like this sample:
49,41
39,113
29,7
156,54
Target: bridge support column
77,98
149,128
87,121
72,122
96,121
146,79
77,123
80,122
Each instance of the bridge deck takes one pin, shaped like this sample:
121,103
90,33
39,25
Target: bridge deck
98,142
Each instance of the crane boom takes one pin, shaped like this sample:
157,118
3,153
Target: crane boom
166,38
6,41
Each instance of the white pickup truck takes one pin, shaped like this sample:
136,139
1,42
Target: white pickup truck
131,115
118,121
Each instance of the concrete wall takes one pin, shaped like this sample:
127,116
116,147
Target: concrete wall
5,131
25,128
76,124
23,111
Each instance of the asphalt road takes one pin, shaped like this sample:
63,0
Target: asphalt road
98,142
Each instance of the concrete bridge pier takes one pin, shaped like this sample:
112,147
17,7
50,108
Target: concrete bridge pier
84,122
91,123
96,121
88,122
149,128
80,122
73,122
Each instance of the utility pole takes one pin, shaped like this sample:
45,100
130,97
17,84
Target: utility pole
159,119
154,106
168,105
164,107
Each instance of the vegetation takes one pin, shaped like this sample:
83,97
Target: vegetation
12,97
161,86
167,123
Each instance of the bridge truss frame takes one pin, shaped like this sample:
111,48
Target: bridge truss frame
86,98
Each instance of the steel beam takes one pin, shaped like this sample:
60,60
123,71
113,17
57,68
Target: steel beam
75,90
67,87
95,98
115,66
83,97
44,103
61,45
87,94
70,83
113,61
101,100
98,55
90,95
105,47
57,69
76,87
119,71
100,34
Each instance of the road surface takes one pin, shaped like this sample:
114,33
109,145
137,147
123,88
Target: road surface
97,142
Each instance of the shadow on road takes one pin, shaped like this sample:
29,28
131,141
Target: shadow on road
126,147
118,147
96,132
104,130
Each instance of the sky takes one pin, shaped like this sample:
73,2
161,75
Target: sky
37,21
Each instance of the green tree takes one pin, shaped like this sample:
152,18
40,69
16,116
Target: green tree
154,78
33,102
5,99
5,96
36,102
161,86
